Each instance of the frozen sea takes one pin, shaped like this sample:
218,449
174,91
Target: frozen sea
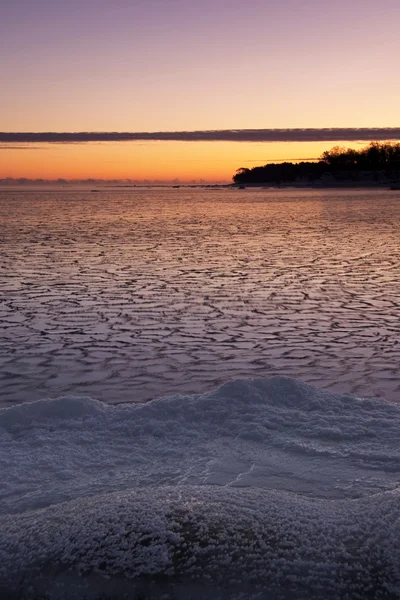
130,295
200,394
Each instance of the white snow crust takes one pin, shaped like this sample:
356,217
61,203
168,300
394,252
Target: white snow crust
260,489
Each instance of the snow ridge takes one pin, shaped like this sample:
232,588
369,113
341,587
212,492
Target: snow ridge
260,488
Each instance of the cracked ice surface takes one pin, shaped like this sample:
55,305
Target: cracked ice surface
130,295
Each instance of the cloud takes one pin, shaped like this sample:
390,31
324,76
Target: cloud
266,160
8,147
223,135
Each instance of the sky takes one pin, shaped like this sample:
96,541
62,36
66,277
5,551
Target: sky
186,65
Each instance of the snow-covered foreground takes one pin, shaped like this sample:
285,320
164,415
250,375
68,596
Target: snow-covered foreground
260,489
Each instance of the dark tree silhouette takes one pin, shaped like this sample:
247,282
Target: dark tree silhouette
379,160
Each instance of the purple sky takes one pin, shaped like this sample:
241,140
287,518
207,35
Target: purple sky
180,65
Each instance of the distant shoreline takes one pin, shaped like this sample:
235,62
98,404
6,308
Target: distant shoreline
325,185
228,187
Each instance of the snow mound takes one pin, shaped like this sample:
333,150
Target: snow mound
261,488
198,542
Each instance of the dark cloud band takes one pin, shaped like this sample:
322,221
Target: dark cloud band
223,135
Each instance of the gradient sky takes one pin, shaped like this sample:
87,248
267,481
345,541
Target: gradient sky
165,65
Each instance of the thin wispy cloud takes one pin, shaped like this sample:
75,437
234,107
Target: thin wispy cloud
223,135
266,160
8,147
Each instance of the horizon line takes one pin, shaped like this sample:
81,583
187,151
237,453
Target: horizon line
333,134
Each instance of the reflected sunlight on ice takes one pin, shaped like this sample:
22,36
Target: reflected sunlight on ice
130,295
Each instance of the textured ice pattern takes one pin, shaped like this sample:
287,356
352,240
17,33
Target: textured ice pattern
126,296
260,489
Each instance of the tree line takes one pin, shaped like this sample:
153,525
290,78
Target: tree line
376,161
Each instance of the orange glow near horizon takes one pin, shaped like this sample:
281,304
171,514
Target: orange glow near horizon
144,66
165,161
